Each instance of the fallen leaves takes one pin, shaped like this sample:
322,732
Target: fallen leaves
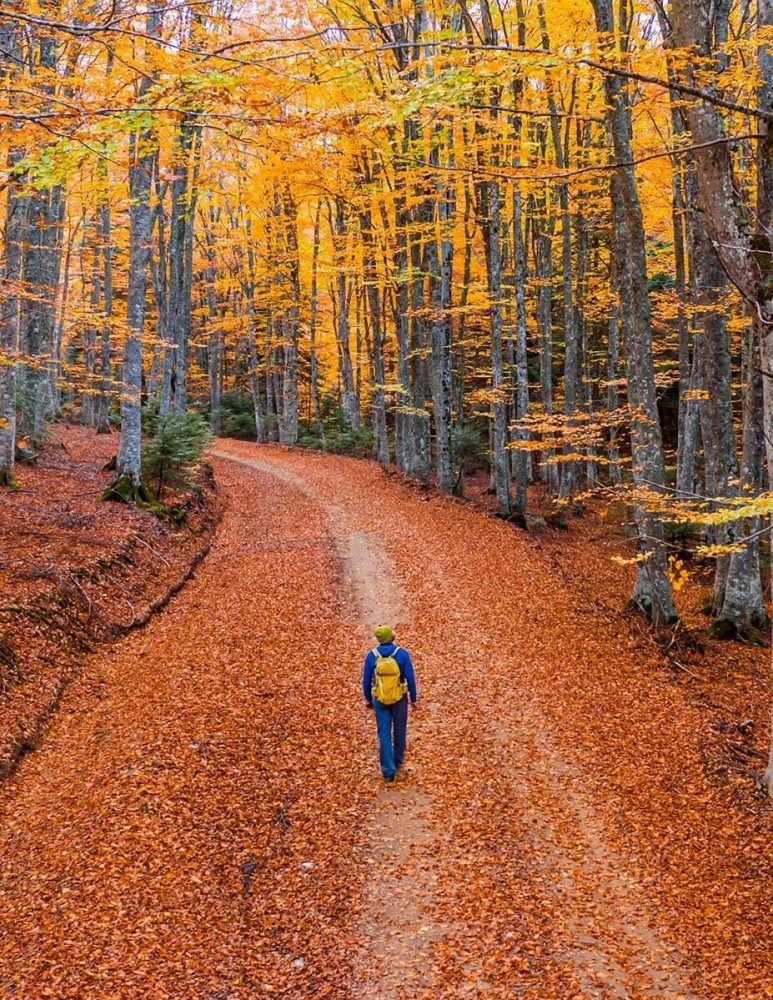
199,822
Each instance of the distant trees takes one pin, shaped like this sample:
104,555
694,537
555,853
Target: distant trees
405,229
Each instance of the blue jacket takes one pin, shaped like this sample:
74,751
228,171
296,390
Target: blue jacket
403,662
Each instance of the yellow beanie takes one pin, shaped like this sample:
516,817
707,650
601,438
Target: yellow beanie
384,634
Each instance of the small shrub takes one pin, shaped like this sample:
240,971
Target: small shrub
681,532
307,439
238,425
358,443
149,417
469,447
236,417
171,455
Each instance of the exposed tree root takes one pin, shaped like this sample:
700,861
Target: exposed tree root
747,632
125,490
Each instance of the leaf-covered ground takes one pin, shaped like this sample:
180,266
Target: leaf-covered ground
75,571
206,818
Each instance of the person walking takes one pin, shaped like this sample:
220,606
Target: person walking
388,680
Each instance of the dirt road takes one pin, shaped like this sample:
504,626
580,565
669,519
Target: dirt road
206,819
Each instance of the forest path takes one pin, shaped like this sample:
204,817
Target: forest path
609,945
396,927
206,818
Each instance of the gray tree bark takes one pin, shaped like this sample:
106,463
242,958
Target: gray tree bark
351,413
743,607
141,160
652,590
377,396
184,195
288,420
89,404
438,265
520,458
542,230
571,349
214,345
743,238
613,362
10,264
490,216
313,306
40,268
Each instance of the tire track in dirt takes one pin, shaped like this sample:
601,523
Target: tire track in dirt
396,930
608,934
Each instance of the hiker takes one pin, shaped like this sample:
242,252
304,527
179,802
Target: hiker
387,681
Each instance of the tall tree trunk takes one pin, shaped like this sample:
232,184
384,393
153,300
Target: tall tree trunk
184,195
313,305
41,261
10,273
743,607
571,349
542,230
351,414
106,237
214,345
712,349
89,405
613,362
520,459
288,424
55,384
438,265
404,399
490,214
262,425
652,590
377,398
141,160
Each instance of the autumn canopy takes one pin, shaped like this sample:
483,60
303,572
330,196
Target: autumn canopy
527,238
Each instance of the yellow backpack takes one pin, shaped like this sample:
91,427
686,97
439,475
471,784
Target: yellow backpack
387,687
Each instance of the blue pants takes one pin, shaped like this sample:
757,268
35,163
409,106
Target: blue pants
392,725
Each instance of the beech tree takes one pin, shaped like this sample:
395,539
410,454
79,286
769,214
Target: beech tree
427,232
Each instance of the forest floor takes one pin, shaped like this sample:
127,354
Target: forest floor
205,818
75,571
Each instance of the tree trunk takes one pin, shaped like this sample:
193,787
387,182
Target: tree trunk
184,193
88,406
141,161
288,422
10,59
743,607
491,225
520,456
613,358
571,350
377,399
351,414
41,259
542,231
438,265
314,364
652,590
213,340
